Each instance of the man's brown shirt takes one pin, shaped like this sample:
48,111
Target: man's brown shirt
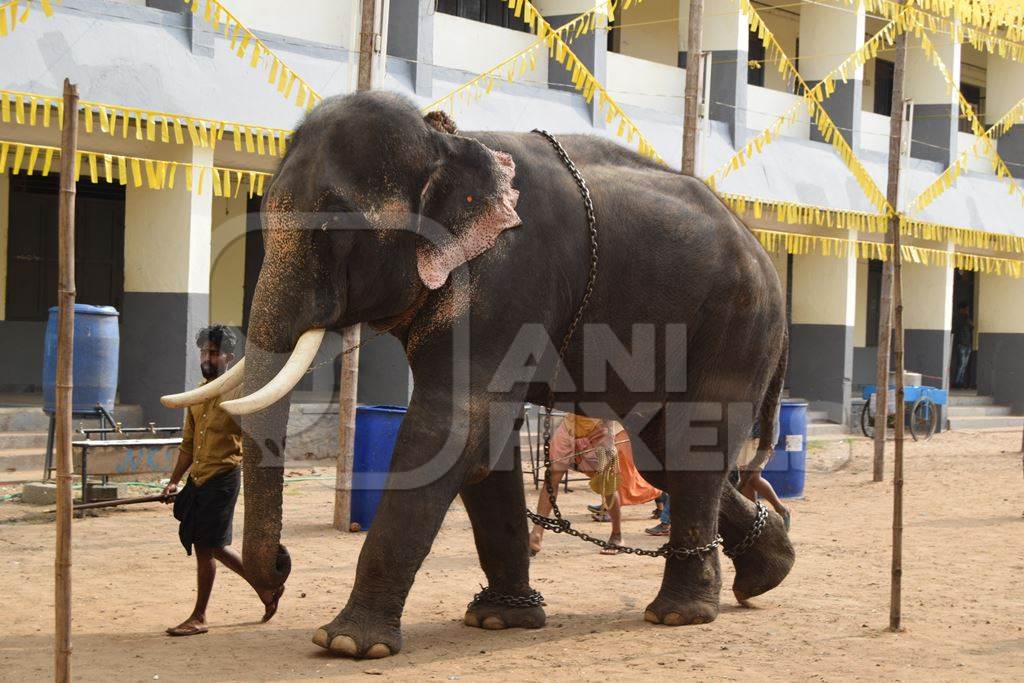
212,437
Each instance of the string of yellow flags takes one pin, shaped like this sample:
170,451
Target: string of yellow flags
35,110
17,12
791,243
814,97
949,176
154,174
830,133
583,80
245,44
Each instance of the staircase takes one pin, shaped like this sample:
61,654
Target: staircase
821,428
968,410
23,434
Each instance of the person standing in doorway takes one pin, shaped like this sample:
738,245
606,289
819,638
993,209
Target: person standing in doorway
211,453
963,339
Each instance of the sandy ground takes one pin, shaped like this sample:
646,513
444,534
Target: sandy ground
963,598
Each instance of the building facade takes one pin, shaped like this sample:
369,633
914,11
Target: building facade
174,259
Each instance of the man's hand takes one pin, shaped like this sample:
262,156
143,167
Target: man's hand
590,441
171,488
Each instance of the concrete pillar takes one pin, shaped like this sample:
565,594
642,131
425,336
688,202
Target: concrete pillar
726,38
821,332
1000,364
591,49
1005,89
166,288
936,110
411,37
927,316
830,31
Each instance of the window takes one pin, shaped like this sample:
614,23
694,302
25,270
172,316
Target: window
971,93
883,87
755,52
615,36
32,248
874,307
494,12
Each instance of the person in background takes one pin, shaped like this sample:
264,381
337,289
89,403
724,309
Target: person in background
211,453
963,339
753,485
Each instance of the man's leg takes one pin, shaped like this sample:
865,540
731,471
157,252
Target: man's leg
206,571
615,512
555,473
230,558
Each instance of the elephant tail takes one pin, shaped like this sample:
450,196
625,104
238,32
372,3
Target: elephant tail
768,413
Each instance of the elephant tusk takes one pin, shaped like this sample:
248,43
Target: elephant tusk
223,384
293,370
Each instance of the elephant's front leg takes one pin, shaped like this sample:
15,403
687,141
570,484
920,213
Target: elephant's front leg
497,509
434,450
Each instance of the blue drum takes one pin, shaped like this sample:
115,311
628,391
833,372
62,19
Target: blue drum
787,469
94,368
376,433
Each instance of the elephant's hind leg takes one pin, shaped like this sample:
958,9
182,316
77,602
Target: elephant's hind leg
497,509
767,562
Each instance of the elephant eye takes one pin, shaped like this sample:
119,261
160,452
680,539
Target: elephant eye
469,199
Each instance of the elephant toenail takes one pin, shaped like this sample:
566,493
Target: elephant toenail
344,645
699,620
377,651
493,623
672,619
651,617
471,619
321,638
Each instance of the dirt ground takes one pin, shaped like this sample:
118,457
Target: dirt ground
963,591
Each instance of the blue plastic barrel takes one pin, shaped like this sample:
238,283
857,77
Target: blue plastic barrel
376,432
94,372
787,469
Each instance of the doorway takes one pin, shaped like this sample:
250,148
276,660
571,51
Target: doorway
963,324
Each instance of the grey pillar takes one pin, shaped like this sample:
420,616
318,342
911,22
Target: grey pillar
843,107
592,50
411,37
935,132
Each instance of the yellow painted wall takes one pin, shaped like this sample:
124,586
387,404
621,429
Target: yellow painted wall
927,297
786,28
860,325
323,21
227,260
999,304
4,213
824,289
657,39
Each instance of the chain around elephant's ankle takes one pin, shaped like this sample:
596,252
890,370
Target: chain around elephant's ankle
491,597
760,522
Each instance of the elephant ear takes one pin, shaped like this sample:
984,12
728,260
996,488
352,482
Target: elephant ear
470,195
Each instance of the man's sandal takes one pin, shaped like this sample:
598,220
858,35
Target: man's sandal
186,630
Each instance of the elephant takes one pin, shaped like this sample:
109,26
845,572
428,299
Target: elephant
473,249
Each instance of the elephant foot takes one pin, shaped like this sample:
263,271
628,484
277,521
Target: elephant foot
496,611
673,611
766,563
360,640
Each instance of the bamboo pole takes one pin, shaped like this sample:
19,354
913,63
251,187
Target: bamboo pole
371,32
65,349
896,131
346,430
691,113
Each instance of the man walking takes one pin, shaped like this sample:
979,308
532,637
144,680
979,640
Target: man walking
963,337
211,452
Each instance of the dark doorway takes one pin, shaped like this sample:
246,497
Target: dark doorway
883,87
971,93
874,306
32,248
964,284
755,53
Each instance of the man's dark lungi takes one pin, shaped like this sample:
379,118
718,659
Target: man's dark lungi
206,512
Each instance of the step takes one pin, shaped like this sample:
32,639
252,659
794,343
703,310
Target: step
33,419
979,411
1002,422
820,429
817,416
19,459
22,440
956,399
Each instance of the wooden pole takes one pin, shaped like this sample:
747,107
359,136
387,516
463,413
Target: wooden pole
892,236
896,132
65,348
370,44
691,113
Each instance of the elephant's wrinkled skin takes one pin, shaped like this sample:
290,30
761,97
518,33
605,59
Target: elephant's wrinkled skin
670,253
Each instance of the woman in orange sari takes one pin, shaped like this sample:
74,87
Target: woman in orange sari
585,444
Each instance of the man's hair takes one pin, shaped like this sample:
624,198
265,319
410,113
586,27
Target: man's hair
220,336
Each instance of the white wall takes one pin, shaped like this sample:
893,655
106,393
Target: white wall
323,21
474,46
632,80
765,105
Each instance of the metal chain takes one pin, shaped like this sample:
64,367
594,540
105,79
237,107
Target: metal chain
488,596
760,522
558,524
